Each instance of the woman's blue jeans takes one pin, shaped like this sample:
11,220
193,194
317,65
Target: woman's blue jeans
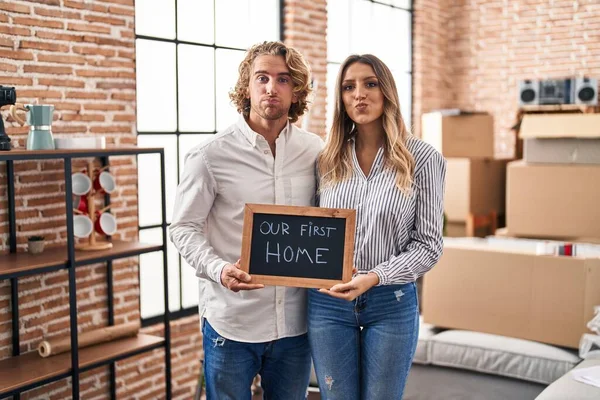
230,367
371,363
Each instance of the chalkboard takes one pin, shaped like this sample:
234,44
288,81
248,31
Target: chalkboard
298,246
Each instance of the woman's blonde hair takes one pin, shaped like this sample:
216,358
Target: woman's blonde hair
335,162
299,71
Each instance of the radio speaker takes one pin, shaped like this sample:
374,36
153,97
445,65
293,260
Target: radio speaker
585,91
529,93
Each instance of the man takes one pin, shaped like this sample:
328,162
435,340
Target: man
263,158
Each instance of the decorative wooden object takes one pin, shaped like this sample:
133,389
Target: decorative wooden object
92,244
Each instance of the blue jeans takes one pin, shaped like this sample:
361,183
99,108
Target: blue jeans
369,363
230,367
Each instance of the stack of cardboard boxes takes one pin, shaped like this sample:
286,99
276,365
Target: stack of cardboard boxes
475,180
507,286
554,192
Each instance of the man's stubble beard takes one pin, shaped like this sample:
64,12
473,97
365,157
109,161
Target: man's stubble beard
275,114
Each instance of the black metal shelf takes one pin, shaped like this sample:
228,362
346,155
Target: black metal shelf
28,371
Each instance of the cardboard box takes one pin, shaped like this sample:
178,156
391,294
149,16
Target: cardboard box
560,126
553,200
562,151
548,299
459,229
561,138
474,186
468,135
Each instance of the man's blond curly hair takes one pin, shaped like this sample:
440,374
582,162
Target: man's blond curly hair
299,70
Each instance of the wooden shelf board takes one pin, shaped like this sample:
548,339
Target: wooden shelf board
29,368
19,263
556,107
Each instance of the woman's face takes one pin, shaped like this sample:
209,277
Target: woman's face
361,94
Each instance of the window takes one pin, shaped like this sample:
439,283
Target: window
382,28
187,55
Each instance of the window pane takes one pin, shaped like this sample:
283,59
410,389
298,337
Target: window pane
338,30
149,178
362,40
233,24
401,29
196,21
196,88
151,276
186,142
155,18
228,62
156,109
189,286
332,71
264,21
402,3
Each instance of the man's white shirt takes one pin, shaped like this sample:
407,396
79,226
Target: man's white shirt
220,176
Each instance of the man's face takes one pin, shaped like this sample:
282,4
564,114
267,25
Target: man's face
270,89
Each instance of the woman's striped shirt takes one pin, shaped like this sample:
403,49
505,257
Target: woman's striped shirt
398,236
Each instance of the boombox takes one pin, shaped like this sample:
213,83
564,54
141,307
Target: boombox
582,91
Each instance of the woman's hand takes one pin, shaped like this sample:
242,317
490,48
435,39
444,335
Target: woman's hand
351,290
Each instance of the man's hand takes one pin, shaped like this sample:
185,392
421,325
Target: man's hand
235,279
351,290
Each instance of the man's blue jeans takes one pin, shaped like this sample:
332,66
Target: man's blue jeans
371,363
230,367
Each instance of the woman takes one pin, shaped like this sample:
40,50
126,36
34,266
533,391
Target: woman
363,333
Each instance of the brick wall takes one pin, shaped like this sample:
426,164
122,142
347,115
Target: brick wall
487,46
79,56
305,25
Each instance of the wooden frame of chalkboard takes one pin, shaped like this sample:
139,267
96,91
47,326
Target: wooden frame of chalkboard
298,246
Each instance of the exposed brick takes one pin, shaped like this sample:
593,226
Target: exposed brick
94,50
83,117
103,41
61,59
84,5
61,82
50,12
50,46
14,30
121,11
16,54
8,67
105,20
123,96
43,69
13,80
37,22
85,95
6,42
115,85
41,94
59,36
88,28
17,8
